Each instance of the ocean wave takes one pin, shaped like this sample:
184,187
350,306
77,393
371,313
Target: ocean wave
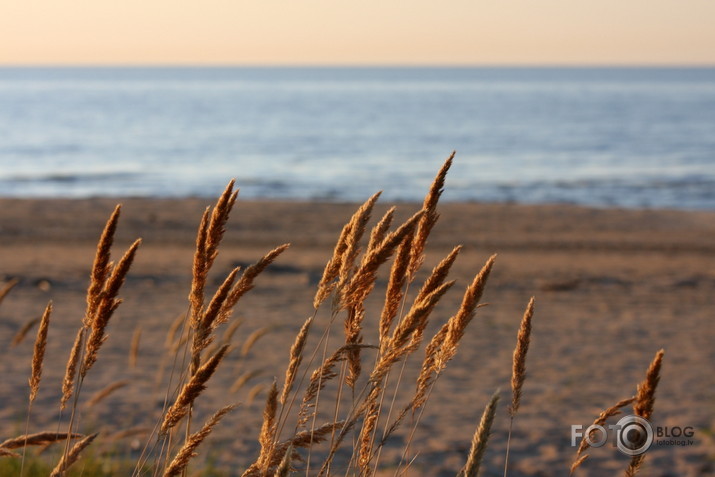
681,193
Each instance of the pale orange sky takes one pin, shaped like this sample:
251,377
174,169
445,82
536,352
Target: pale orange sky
316,32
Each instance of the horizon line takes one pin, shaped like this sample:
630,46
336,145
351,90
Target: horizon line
217,65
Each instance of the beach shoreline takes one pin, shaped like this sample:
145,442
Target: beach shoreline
612,287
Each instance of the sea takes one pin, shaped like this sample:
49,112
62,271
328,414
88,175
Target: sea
631,137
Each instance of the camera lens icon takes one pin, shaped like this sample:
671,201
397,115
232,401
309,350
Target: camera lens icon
634,435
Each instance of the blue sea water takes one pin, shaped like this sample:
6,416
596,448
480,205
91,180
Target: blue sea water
630,137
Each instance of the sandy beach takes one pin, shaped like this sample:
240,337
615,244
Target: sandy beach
612,287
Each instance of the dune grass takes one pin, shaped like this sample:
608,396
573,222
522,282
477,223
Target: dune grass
365,372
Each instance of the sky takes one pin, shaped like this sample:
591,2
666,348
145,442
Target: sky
364,32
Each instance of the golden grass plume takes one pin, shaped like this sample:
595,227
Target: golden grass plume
38,354
480,439
518,374
70,458
187,451
191,390
38,439
644,403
